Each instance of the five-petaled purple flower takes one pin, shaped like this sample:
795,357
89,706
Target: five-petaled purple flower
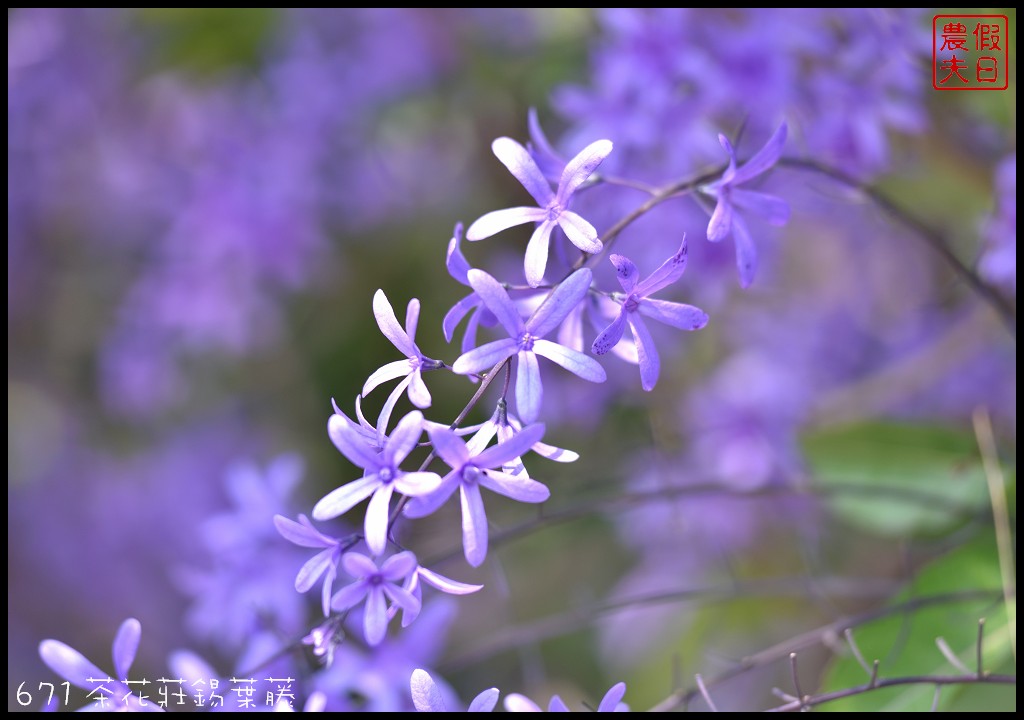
412,367
472,467
381,479
636,302
377,585
553,206
426,696
725,219
526,338
111,693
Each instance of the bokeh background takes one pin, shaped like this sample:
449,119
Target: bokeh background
201,204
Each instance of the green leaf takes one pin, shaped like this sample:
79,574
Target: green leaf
897,479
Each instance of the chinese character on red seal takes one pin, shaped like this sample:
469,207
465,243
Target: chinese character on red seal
970,52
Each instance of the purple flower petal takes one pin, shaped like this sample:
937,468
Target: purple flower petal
667,273
746,252
559,303
313,568
445,584
402,598
69,664
721,220
351,443
555,453
483,358
358,565
300,533
535,261
456,262
375,525
423,505
773,209
398,567
415,484
375,616
349,596
678,315
496,299
518,161
341,500
517,487
547,159
457,312
764,159
404,438
529,390
497,220
512,448
418,393
580,232
412,317
425,695
730,172
556,704
580,365
612,698
126,644
625,271
520,703
391,371
485,701
388,324
385,413
449,447
650,364
581,167
611,335
474,525
469,338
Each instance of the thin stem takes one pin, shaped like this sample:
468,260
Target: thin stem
704,693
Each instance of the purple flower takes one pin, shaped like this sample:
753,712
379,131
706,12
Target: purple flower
636,302
458,268
611,702
725,219
427,697
526,339
377,586
411,368
324,563
111,693
382,476
553,207
472,467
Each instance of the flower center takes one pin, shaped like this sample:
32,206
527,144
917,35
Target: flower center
375,579
525,341
554,211
386,475
632,303
470,474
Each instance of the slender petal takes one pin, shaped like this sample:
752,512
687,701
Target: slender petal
415,484
555,453
449,447
773,209
496,299
746,252
299,533
351,443
403,439
529,390
730,172
667,273
418,393
425,695
313,568
516,487
375,616
581,167
385,412
518,161
375,525
412,318
764,159
456,262
388,324
556,704
396,369
483,358
625,271
547,159
560,303
650,364
535,261
126,644
580,232
485,701
504,452
678,315
611,335
474,525
358,565
580,365
445,584
469,337
349,596
457,312
721,220
69,664
423,505
497,220
402,598
612,698
398,567
341,500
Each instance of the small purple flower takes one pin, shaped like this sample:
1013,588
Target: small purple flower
611,702
636,302
411,368
377,586
553,206
526,338
382,476
471,468
324,563
725,219
427,697
458,268
112,693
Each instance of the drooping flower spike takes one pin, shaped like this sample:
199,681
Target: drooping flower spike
725,219
552,207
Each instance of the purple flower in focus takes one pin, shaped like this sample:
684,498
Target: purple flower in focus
111,693
377,586
458,268
382,476
553,207
472,467
324,563
611,702
526,338
412,367
636,302
725,219
427,697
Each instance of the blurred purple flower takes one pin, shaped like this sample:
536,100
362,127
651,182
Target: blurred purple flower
999,260
382,476
376,586
526,339
553,208
725,219
636,302
427,697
